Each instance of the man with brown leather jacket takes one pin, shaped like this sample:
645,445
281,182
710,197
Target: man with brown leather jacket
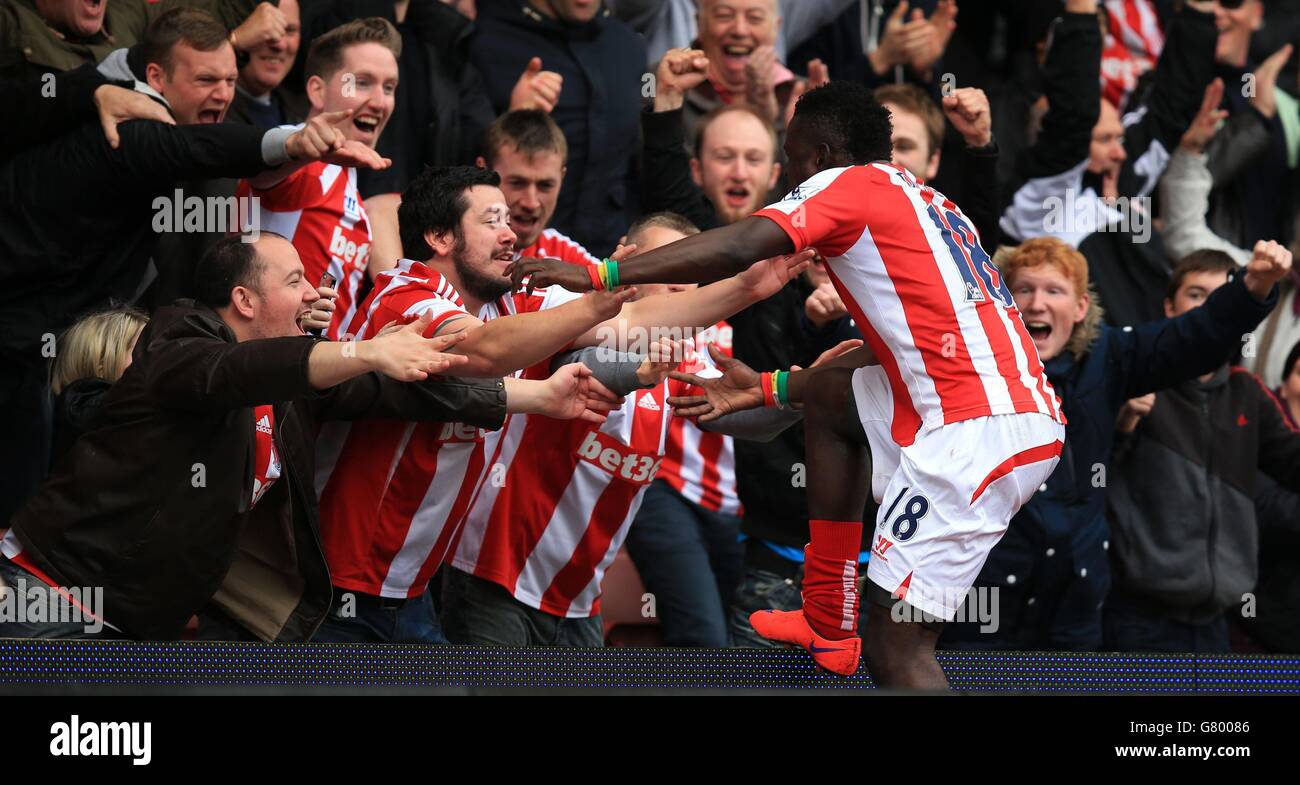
193,487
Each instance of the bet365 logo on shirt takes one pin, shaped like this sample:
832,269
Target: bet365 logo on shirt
618,459
347,250
460,432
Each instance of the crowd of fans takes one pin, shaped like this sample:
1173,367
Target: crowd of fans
192,185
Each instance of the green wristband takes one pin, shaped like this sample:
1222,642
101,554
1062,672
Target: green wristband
780,389
611,272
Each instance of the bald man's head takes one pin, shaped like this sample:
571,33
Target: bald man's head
730,31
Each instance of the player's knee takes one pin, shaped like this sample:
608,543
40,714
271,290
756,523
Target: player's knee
829,394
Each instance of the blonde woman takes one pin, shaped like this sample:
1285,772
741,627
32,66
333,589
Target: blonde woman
92,355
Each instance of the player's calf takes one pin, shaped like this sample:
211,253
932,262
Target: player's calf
900,654
839,474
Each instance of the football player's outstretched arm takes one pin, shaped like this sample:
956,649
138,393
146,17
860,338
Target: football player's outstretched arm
706,305
703,258
739,388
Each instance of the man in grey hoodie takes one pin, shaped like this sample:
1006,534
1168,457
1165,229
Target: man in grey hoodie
1184,534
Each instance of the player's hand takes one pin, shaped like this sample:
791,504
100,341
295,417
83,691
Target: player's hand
407,356
1271,263
541,273
266,23
967,108
767,277
661,358
824,305
117,105
1206,123
322,311
536,89
572,392
1133,411
737,389
679,71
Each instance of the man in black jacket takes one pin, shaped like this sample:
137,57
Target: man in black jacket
194,483
77,230
185,59
53,104
1185,539
602,62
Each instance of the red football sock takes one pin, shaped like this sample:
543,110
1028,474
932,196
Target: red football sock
830,578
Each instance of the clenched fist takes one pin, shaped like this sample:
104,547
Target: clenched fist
679,71
1270,264
824,305
968,110
266,23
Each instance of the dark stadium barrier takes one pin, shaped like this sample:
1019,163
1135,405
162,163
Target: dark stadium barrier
39,665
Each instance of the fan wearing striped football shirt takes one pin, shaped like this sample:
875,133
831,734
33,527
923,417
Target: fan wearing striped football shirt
685,539
529,151
528,566
949,394
351,74
393,494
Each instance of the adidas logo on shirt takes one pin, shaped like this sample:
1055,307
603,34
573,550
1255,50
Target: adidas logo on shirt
264,425
648,402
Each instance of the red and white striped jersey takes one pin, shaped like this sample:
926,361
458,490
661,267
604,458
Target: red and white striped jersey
319,210
554,245
393,493
701,465
929,301
560,497
1132,46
